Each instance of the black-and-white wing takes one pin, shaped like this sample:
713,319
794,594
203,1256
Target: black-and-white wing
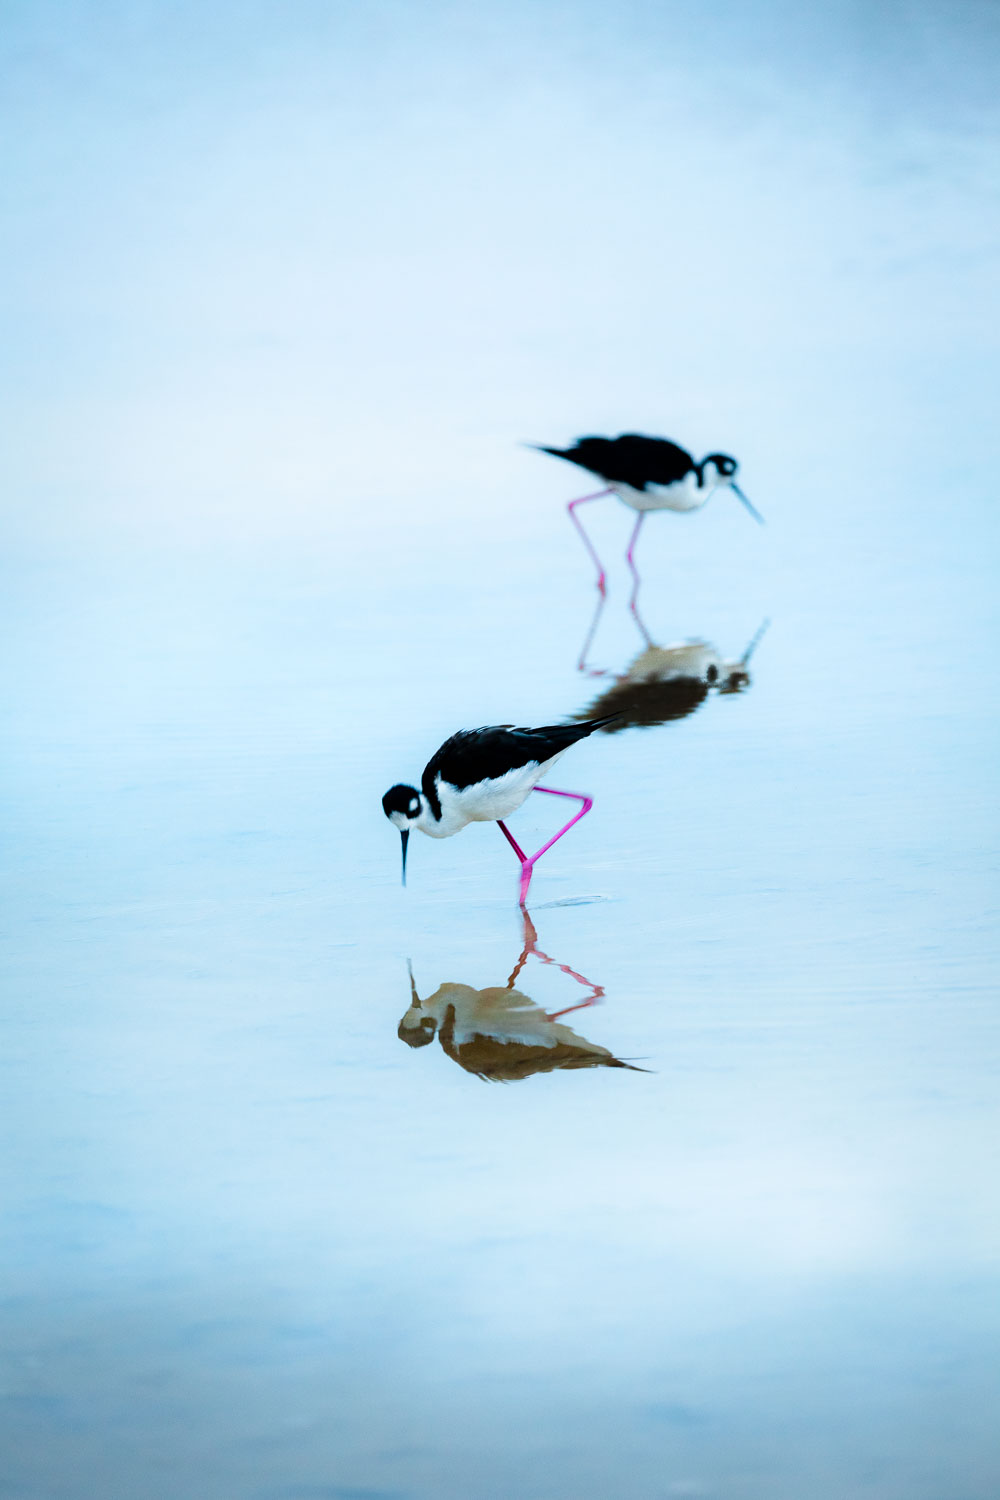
475,755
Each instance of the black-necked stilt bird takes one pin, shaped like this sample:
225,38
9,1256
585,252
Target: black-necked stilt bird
500,1033
647,473
482,776
667,682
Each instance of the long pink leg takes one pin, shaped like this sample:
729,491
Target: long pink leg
531,948
528,862
512,841
582,665
640,624
553,1015
597,990
571,507
530,939
635,574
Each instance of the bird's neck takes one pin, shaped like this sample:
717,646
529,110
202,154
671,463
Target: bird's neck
710,480
438,827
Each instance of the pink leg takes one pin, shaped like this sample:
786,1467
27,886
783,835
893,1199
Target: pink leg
528,862
553,1015
596,990
582,665
530,939
635,575
571,507
512,841
531,947
640,625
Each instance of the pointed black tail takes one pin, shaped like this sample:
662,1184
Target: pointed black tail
570,734
589,725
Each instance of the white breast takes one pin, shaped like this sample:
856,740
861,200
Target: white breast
683,494
507,1016
692,659
485,801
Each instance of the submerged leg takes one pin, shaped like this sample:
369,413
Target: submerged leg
571,507
528,862
553,1015
583,665
531,948
640,625
596,990
530,939
635,575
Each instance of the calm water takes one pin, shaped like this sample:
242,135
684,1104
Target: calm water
270,544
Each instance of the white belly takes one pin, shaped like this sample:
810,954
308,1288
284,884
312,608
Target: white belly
695,660
683,494
485,801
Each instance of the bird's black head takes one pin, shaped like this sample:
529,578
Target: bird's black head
736,680
725,466
401,805
416,1030
719,468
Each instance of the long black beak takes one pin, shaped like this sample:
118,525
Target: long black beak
745,658
751,508
404,834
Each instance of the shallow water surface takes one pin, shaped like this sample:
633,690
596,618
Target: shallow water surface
277,1248
684,1184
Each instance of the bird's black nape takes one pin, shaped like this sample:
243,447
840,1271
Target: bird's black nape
724,463
726,467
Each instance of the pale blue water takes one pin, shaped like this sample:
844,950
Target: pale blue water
284,302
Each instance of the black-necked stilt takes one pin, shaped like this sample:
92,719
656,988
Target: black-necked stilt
647,474
669,682
482,776
500,1033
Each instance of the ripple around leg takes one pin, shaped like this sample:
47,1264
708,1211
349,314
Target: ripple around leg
571,901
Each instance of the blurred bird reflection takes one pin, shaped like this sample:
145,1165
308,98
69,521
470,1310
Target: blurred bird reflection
500,1033
662,682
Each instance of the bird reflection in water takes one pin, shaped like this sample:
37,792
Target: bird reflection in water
663,682
500,1033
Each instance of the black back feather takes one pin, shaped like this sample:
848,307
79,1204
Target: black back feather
474,755
629,459
641,704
